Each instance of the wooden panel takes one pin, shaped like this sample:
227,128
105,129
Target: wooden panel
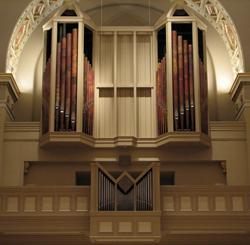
237,203
29,204
105,227
220,203
145,127
64,204
168,203
47,204
125,112
203,203
12,204
105,118
125,59
125,227
106,62
186,204
143,59
81,204
144,227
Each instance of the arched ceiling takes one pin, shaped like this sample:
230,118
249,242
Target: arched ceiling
142,12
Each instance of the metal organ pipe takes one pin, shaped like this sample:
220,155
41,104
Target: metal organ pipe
139,198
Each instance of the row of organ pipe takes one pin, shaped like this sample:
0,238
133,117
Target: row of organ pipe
46,96
66,79
88,99
183,83
161,98
139,197
144,193
66,83
106,193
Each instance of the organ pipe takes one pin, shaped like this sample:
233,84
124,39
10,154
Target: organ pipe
108,191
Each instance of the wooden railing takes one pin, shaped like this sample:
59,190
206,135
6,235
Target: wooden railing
185,210
211,199
43,200
176,199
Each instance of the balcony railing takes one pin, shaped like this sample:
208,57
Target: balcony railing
174,199
44,200
185,211
201,199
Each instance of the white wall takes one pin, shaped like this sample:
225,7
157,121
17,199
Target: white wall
21,144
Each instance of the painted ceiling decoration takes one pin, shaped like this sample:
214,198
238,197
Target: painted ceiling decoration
38,10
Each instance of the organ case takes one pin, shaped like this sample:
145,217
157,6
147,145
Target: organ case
68,81
108,86
181,76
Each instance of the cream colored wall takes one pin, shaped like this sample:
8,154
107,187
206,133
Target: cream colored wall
212,89
57,173
223,76
228,144
185,173
28,77
9,14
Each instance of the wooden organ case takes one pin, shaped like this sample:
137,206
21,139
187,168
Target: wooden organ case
124,86
125,207
112,86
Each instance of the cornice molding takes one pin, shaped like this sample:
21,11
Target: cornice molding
8,80
241,80
220,130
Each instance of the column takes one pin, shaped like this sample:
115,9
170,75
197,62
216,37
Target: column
9,94
240,94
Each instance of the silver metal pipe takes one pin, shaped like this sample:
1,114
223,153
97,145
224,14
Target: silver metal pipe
151,190
109,194
99,191
142,194
139,191
102,200
146,192
105,193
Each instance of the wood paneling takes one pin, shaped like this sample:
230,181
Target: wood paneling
125,109
125,59
106,60
105,117
145,127
143,50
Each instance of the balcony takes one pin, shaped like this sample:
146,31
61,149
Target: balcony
215,214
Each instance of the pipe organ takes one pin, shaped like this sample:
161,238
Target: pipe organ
106,192
123,86
125,193
144,193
